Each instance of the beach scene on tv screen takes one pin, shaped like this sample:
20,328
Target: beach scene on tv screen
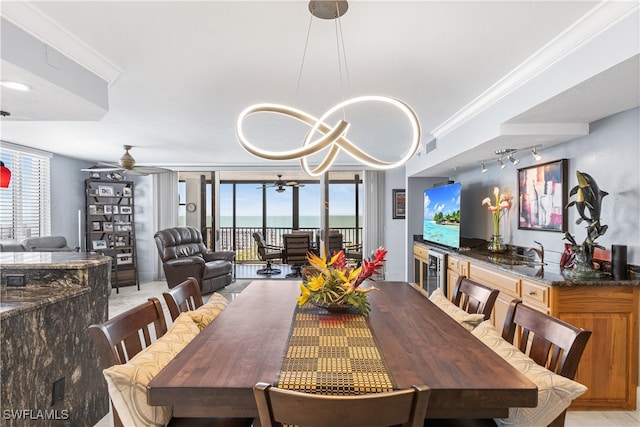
442,215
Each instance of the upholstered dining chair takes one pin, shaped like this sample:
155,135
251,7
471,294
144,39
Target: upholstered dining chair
267,253
474,297
296,248
122,337
184,297
278,406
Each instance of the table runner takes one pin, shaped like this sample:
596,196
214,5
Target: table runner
332,354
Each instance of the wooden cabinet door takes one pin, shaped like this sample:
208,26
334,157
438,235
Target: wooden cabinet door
609,365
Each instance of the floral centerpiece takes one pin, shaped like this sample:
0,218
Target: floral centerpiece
502,204
336,285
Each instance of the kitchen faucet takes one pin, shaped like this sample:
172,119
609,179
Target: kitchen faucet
539,251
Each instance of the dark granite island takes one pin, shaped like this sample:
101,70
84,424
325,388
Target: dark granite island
50,373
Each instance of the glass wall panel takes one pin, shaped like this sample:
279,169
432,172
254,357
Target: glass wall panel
309,202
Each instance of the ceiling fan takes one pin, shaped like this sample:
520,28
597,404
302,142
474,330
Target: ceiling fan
127,164
280,184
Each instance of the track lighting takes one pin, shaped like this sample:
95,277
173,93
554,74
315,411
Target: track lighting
535,154
501,163
484,168
513,159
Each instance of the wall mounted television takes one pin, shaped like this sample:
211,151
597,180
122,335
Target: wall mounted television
441,219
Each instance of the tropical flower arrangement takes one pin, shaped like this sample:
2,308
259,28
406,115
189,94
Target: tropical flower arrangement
497,209
337,285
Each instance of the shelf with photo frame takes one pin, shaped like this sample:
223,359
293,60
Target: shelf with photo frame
110,227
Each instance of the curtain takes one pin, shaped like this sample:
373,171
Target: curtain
165,189
373,227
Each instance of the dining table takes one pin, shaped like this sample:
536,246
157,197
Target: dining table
416,342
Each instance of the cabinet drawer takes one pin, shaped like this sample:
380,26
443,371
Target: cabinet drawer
453,263
420,251
494,279
535,293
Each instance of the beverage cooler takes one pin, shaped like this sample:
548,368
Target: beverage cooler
430,269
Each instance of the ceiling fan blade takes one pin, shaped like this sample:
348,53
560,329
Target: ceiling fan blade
146,170
103,167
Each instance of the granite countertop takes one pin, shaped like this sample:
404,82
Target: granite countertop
529,268
50,260
17,300
51,277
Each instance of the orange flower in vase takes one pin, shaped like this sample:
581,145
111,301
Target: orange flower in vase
502,204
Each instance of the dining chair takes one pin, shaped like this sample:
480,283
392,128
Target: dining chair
267,253
184,297
278,406
296,248
119,339
550,342
474,297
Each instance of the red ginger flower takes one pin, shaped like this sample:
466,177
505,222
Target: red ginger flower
369,268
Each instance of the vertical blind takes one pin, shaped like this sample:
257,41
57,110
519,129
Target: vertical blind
25,207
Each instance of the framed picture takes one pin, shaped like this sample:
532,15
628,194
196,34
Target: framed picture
99,244
542,196
126,191
114,209
107,226
108,209
126,210
399,204
93,210
105,190
96,226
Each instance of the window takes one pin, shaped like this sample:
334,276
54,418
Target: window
25,207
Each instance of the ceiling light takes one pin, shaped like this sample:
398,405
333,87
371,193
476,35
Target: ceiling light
484,168
501,163
15,85
513,159
332,138
535,154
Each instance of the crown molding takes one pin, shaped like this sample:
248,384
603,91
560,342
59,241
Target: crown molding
601,17
30,19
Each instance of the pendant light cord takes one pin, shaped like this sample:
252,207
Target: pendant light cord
340,47
304,56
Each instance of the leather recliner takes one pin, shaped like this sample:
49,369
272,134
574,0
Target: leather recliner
184,254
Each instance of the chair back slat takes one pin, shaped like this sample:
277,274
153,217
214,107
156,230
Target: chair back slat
474,297
118,339
183,297
550,342
279,406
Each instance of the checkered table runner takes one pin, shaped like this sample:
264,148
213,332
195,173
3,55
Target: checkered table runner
333,354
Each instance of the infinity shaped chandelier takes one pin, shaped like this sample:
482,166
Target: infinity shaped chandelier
332,138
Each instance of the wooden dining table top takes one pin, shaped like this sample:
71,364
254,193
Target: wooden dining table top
214,374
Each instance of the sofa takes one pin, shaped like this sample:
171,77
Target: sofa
184,254
47,244
37,244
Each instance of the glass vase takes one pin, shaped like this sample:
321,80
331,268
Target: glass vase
496,244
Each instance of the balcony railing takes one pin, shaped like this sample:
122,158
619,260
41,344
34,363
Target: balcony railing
240,239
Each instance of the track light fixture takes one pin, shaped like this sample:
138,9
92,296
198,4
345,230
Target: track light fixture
535,154
509,154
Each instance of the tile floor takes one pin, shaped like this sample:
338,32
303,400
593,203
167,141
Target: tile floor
129,297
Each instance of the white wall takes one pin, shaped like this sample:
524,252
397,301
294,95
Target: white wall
610,154
67,198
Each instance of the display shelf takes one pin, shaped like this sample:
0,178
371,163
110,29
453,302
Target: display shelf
110,227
